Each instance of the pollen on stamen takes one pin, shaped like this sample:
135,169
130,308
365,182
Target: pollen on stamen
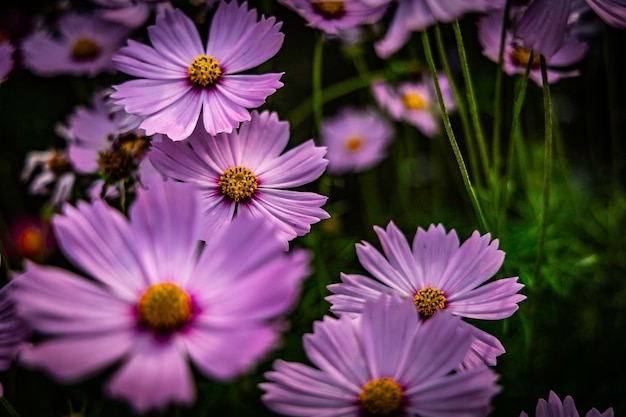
413,101
521,56
354,144
164,307
428,300
85,49
381,397
115,164
204,71
238,183
329,9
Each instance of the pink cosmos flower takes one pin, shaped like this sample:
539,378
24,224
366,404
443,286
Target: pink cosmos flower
435,274
155,299
334,17
182,82
515,59
555,408
6,59
613,12
244,172
356,140
130,13
417,15
85,45
382,364
415,102
543,26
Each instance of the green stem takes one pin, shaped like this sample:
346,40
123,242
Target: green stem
471,98
547,165
462,109
7,406
497,99
317,81
448,127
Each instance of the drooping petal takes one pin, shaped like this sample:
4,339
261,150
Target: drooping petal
493,301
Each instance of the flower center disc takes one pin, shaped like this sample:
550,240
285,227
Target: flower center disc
329,9
31,242
59,164
521,56
115,164
238,183
204,71
428,300
381,397
85,49
413,101
354,144
164,307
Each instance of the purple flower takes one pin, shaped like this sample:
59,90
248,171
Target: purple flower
334,17
516,57
382,364
244,172
182,81
6,59
613,12
155,300
435,274
417,15
356,140
543,26
130,13
415,102
13,331
85,45
555,408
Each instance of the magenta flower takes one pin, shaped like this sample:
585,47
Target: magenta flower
435,274
382,365
244,172
334,17
543,26
417,15
85,45
515,59
613,12
6,59
555,408
13,331
356,140
155,299
182,82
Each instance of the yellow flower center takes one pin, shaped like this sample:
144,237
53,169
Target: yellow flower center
204,71
413,101
329,9
115,164
238,183
85,49
428,300
354,144
164,307
521,56
31,242
381,397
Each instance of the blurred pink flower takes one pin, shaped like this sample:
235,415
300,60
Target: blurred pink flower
555,408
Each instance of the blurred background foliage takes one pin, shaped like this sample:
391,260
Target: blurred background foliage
567,336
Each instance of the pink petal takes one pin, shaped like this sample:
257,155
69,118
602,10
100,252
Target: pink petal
493,301
298,166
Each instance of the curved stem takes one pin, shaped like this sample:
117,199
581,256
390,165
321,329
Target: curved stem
317,81
7,406
497,99
448,127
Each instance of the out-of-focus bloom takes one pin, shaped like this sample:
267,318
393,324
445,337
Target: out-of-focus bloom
155,300
543,26
106,141
6,59
382,365
334,17
182,82
85,45
244,172
555,408
131,13
415,102
13,331
30,237
435,274
51,166
516,57
613,12
356,140
417,15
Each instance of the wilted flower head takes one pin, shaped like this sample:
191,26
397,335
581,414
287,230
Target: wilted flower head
49,167
155,300
382,364
516,57
84,45
356,140
435,274
555,408
334,17
6,59
245,172
182,83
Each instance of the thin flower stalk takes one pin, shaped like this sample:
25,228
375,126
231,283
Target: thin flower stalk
318,56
